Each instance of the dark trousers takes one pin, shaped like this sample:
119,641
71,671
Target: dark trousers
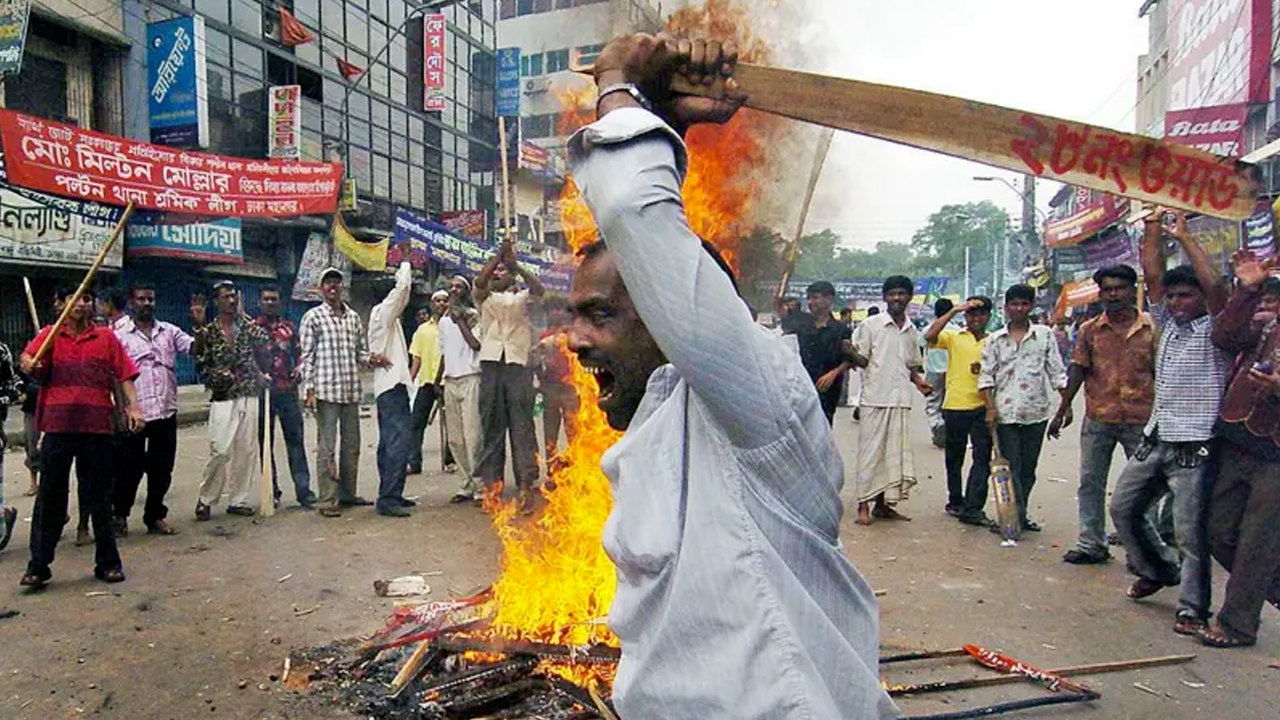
1020,445
395,434
559,405
422,404
1244,536
88,452
961,426
286,408
506,406
150,451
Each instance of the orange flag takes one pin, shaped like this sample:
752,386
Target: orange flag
293,32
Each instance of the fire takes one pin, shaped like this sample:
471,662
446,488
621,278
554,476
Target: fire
557,583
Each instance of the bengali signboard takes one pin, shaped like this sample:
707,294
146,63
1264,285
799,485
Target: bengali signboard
508,86
190,238
1219,52
860,291
65,160
467,223
14,15
46,230
284,122
1086,213
1219,130
177,82
318,255
1111,247
433,62
534,158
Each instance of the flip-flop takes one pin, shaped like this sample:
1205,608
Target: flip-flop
34,581
110,575
162,527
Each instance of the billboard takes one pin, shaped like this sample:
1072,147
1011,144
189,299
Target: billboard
42,229
162,235
13,34
509,82
1219,52
1086,214
433,62
284,122
177,88
1219,130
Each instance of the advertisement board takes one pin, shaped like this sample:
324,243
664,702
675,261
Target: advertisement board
177,86
215,240
1085,214
433,62
46,230
1219,130
14,15
65,160
1219,52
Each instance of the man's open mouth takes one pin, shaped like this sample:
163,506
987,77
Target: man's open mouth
604,380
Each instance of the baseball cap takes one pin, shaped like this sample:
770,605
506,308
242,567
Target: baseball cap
332,271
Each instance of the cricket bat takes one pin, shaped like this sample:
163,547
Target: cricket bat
1002,490
1121,163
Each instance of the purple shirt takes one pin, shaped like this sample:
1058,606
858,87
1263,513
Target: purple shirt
155,356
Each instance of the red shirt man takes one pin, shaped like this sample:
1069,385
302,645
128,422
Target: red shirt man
78,374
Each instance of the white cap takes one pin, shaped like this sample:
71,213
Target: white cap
332,271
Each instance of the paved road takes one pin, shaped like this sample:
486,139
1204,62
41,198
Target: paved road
210,608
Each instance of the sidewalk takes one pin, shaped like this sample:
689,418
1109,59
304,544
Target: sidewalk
193,409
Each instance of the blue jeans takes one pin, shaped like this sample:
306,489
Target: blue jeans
286,408
1098,442
395,444
1141,484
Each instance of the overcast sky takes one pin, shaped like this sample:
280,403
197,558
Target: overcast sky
1074,60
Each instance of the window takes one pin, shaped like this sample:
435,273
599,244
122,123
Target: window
40,89
541,6
331,18
535,65
248,59
587,54
557,60
524,7
536,126
561,4
312,84
247,17
214,9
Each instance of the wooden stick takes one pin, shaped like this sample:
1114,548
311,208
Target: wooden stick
1096,668
84,284
923,655
793,250
410,669
1103,159
266,489
31,303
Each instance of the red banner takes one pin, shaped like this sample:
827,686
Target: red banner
65,160
1219,130
1089,212
433,62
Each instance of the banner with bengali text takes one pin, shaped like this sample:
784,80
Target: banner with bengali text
216,240
65,160
433,62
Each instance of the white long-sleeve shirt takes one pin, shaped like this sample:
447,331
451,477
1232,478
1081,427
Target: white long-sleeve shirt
386,334
734,599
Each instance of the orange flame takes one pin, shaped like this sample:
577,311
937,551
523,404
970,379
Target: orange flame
556,582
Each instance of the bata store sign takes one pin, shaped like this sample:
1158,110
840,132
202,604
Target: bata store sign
1219,52
1219,130
65,160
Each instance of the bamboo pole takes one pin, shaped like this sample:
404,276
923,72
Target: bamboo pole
793,249
506,180
84,284
266,494
31,303
1095,668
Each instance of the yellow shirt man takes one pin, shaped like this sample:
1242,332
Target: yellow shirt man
426,347
964,360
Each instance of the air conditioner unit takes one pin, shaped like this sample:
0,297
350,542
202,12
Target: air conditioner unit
537,85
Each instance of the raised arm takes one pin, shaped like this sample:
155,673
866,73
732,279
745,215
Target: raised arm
934,331
1215,291
481,290
1235,331
1152,255
515,268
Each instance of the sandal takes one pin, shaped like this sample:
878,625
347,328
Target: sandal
330,512
161,527
1220,637
111,575
884,512
1142,588
1189,625
36,581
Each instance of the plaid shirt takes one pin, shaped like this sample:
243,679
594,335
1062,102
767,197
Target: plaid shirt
333,349
1190,376
282,354
230,368
156,358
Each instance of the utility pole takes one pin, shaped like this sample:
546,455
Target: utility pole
1030,238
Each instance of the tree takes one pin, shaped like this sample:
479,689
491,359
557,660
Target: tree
940,244
817,255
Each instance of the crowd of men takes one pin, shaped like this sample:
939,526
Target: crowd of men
102,394
1190,391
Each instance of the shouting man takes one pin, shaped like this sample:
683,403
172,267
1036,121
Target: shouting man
727,481
887,347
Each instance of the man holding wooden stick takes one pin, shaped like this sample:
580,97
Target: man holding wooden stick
727,481
77,376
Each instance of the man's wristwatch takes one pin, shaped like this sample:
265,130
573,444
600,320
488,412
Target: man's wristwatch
629,88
